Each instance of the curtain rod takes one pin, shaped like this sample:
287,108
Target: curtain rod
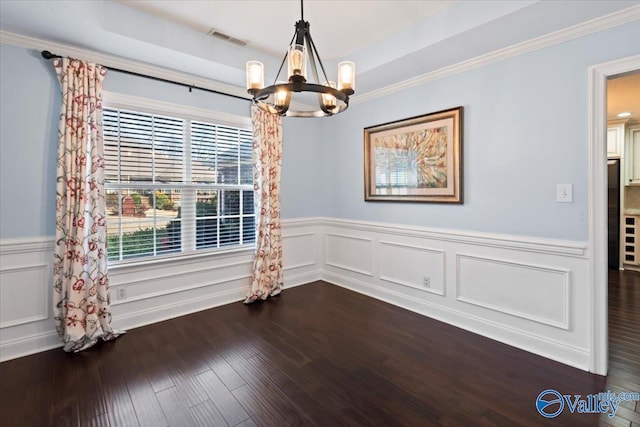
48,55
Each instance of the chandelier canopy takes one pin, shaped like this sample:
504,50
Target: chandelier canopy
331,98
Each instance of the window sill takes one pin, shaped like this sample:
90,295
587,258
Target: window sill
179,259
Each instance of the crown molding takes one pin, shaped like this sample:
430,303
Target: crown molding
122,63
27,42
602,23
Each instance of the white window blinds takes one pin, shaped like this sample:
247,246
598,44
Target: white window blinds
175,185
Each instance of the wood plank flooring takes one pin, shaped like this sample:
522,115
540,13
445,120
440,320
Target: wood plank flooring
318,355
624,344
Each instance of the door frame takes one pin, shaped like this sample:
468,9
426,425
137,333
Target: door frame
597,204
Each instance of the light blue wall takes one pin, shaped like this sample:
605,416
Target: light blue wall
30,105
29,108
166,92
525,130
302,184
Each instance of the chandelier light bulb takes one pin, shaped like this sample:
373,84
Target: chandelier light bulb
255,75
329,101
296,63
346,75
280,98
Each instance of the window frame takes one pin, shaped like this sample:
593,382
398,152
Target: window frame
116,100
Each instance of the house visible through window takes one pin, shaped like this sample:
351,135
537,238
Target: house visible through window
175,185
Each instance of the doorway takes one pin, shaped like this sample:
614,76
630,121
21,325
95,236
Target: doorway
623,297
613,212
598,206
623,189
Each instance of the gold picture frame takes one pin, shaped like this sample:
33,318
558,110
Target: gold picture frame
415,160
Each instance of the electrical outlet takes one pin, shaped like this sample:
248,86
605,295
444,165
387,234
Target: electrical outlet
426,281
564,193
122,293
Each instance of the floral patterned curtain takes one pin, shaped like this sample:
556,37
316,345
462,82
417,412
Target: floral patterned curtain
267,161
81,285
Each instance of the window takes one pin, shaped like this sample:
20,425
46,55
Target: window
175,184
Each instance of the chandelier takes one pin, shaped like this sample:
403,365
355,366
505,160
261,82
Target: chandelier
301,58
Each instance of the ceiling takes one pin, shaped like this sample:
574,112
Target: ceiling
623,95
268,25
390,41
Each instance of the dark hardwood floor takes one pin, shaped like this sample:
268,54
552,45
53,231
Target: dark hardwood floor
318,355
624,344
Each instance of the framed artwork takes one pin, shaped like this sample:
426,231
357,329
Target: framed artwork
415,160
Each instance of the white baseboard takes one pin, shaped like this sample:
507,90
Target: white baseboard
294,280
159,313
127,321
31,344
550,349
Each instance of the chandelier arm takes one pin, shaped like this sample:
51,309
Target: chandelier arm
264,93
293,113
314,69
284,59
314,50
317,113
324,108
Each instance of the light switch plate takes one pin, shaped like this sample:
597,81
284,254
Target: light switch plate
564,193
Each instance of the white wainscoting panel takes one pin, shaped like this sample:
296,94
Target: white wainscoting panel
23,299
520,289
156,290
301,248
26,277
349,252
530,293
409,265
175,276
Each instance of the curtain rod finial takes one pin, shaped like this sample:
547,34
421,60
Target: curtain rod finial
48,55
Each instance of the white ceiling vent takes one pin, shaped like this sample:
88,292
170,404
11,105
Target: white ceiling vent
222,36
